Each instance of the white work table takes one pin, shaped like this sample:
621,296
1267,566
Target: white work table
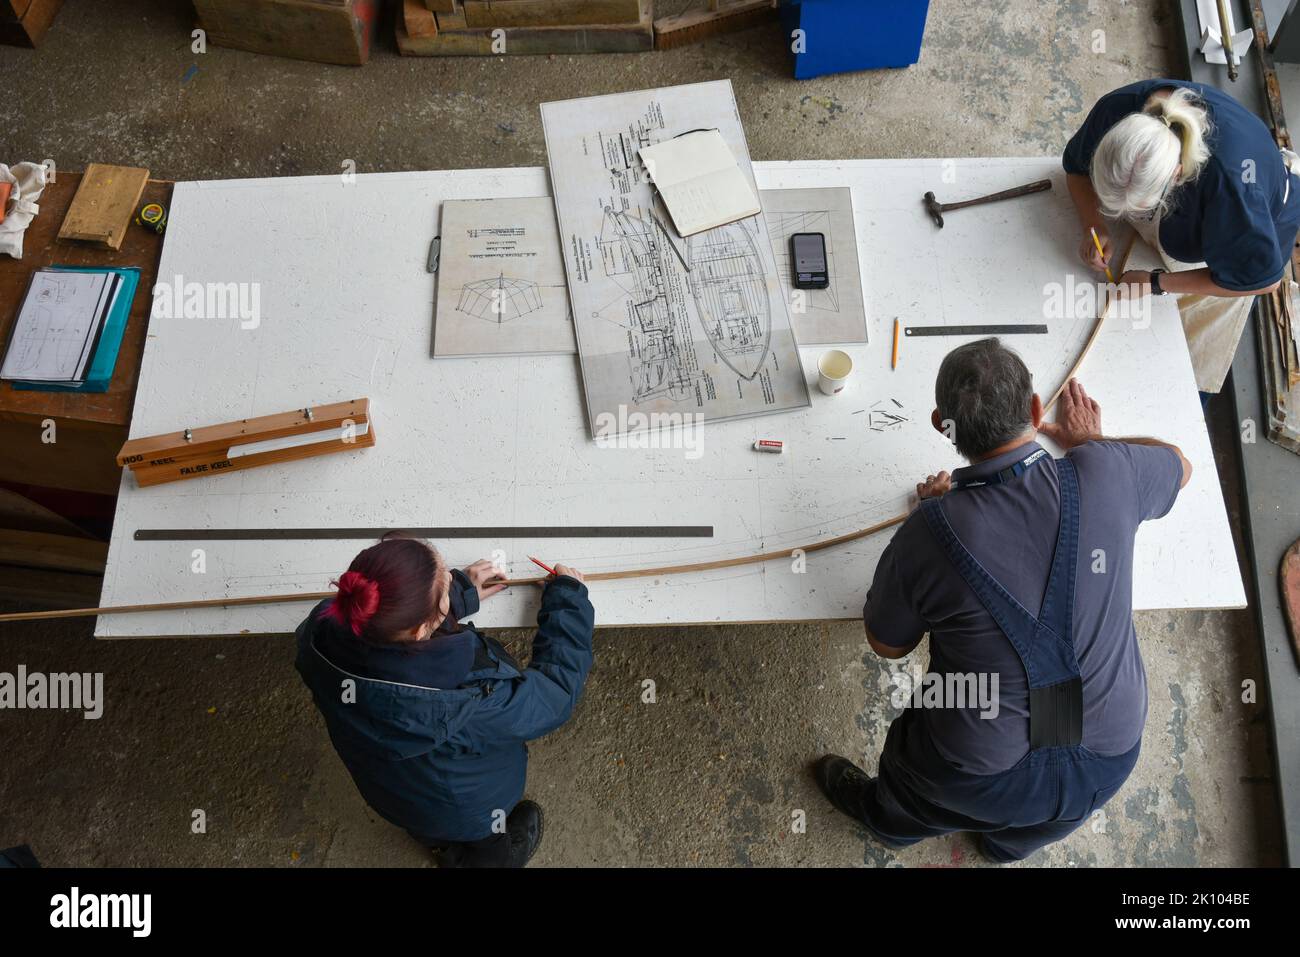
347,312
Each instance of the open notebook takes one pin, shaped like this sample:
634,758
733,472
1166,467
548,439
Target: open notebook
700,182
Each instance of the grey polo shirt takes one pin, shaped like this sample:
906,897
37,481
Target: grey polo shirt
1011,530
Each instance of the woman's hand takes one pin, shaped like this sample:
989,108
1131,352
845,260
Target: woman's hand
486,577
1134,284
1088,249
568,572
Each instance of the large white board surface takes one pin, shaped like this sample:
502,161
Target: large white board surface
345,301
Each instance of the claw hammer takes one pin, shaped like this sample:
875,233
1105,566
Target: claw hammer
936,209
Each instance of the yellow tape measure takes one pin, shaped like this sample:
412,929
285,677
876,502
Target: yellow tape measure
152,216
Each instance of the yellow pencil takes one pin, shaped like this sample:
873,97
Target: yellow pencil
894,362
1097,242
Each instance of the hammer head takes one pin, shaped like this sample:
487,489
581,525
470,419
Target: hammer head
934,208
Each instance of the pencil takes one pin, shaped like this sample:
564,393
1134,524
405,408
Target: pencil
549,569
894,362
1097,242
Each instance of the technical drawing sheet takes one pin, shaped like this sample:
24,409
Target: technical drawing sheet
836,314
500,280
664,325
57,329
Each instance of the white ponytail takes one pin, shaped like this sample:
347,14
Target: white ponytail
1133,165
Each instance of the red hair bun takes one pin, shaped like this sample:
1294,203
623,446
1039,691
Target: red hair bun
356,602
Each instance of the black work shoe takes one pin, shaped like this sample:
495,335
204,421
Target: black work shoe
844,784
848,787
524,825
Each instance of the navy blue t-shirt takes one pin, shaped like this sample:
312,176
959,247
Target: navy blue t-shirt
1011,530
1235,216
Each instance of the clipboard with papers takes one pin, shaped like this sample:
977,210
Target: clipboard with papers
69,329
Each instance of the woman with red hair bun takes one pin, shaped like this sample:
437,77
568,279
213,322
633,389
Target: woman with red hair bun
431,716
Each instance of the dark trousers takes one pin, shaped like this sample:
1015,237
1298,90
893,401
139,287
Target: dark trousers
1048,794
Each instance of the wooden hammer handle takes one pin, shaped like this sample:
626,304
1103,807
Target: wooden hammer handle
1038,187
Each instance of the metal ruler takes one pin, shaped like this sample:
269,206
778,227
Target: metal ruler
1019,329
438,532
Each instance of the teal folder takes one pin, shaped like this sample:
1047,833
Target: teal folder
100,371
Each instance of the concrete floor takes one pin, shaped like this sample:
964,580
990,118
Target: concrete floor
714,773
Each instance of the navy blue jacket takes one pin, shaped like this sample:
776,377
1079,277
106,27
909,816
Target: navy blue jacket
433,734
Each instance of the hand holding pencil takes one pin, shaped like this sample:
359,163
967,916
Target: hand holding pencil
558,571
1095,250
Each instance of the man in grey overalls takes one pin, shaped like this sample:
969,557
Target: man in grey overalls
1020,569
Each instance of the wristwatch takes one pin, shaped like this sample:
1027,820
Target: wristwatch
1155,281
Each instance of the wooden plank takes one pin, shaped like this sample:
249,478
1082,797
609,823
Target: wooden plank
467,41
83,410
58,552
14,9
419,19
452,21
105,202
336,32
21,513
695,25
45,586
28,28
442,6
82,459
550,13
219,438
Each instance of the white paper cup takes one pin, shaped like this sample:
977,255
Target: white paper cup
833,371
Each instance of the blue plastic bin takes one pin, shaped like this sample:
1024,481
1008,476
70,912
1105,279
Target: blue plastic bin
845,35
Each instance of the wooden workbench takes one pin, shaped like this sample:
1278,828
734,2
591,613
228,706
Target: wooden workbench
90,427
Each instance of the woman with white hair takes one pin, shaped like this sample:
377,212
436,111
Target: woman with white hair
1202,180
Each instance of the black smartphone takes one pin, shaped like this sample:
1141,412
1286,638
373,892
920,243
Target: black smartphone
809,255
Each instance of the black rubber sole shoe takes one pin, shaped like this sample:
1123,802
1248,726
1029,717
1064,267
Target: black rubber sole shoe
526,825
843,783
845,786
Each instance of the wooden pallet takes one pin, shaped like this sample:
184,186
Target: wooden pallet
452,35
549,13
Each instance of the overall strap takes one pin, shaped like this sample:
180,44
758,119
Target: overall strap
1044,643
1012,617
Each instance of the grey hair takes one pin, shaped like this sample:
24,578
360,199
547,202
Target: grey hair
1133,166
984,390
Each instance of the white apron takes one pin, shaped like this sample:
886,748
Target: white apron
1212,324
